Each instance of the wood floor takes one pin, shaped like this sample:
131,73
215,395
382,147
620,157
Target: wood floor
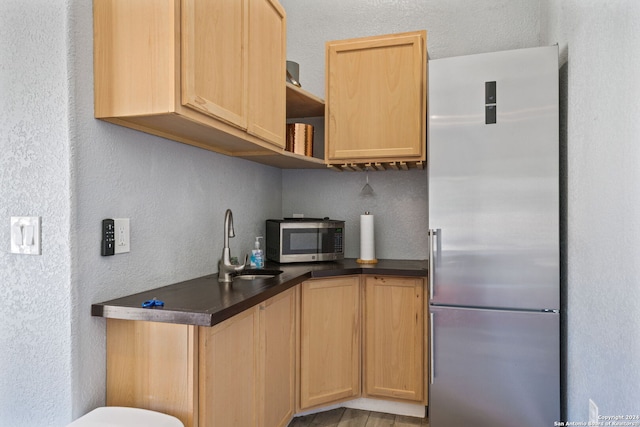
346,417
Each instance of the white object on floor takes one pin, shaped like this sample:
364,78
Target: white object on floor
117,416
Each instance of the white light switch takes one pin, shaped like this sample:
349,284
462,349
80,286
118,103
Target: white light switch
25,235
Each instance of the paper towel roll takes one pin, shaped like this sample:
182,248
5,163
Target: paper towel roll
367,240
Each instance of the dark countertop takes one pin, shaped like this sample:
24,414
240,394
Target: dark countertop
206,302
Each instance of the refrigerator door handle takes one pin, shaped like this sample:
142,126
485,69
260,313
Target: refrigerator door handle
432,365
433,238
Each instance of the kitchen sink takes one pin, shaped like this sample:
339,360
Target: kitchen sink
253,274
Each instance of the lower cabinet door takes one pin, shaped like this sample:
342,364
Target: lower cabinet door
228,372
276,362
247,366
330,341
394,338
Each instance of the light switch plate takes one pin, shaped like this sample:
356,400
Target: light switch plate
25,235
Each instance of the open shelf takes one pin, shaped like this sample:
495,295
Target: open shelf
301,103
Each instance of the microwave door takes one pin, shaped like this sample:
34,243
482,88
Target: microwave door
301,244
300,241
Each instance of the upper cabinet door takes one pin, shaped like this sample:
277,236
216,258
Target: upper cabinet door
214,58
134,57
376,98
267,59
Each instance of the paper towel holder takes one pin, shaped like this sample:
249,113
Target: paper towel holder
365,261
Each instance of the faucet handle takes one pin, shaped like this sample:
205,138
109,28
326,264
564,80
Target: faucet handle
238,268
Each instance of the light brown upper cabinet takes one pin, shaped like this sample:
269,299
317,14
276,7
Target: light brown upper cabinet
267,65
205,73
376,99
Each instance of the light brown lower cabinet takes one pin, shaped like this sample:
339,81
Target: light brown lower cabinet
277,361
319,343
154,366
247,367
394,345
369,327
228,372
237,373
330,341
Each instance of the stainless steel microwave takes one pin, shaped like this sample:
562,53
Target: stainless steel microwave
304,240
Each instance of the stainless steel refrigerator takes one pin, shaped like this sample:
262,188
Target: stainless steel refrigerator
493,159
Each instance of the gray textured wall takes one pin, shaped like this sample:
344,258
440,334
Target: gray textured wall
398,203
35,304
600,53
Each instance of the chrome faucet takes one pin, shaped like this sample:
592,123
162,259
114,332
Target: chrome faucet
225,268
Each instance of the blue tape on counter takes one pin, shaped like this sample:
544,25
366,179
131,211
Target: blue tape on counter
153,303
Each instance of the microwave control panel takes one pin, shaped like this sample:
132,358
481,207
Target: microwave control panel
337,241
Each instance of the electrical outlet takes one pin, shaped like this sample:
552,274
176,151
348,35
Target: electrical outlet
121,235
593,413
